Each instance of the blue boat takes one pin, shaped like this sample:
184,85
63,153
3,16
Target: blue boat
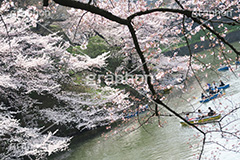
211,98
222,87
134,114
224,68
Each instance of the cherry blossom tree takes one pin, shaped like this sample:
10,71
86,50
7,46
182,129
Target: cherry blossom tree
35,81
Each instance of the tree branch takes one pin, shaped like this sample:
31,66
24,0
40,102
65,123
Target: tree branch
78,25
92,9
187,13
216,34
5,25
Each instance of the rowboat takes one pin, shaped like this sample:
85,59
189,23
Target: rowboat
212,97
224,68
208,119
222,87
134,114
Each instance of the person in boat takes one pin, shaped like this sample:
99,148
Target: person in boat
187,117
211,112
211,92
237,60
203,96
221,83
209,85
214,86
200,114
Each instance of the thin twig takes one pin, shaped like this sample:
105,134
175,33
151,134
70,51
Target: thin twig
5,25
78,25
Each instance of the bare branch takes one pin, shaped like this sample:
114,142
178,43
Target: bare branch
78,25
232,19
232,150
216,34
188,13
190,58
92,9
177,1
225,22
5,25
203,144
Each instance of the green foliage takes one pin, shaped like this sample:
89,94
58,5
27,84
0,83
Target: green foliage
196,38
79,87
54,28
213,59
114,62
97,46
75,50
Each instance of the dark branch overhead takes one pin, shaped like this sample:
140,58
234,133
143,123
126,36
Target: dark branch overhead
110,16
92,9
187,13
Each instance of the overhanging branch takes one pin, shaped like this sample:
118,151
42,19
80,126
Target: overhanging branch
187,13
216,34
92,9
